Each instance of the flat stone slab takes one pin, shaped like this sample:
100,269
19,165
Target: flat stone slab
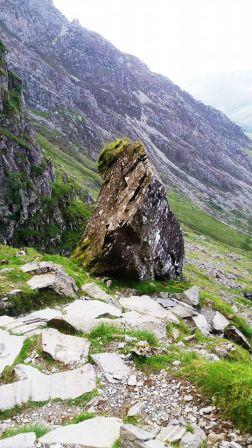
32,323
171,433
112,366
10,347
64,348
91,309
98,432
131,433
41,387
5,320
183,311
26,440
133,320
146,305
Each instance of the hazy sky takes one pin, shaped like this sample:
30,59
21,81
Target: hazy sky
178,38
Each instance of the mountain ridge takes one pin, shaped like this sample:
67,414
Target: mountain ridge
196,149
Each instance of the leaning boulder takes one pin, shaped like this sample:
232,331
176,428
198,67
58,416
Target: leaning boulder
233,334
133,232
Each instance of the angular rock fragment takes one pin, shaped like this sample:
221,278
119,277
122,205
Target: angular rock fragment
10,347
91,309
183,311
219,322
191,296
233,334
26,440
64,348
136,409
131,320
133,231
40,387
193,439
112,366
32,323
133,436
93,291
202,324
171,433
98,432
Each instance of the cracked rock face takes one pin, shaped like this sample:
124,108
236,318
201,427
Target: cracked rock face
133,232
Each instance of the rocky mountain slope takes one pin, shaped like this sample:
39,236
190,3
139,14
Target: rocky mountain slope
230,92
37,207
86,91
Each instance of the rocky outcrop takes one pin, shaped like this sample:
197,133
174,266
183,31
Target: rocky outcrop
69,68
35,207
133,232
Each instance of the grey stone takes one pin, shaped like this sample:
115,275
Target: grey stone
191,296
136,409
219,322
112,366
193,439
93,291
147,306
202,324
171,433
233,334
64,348
10,347
26,440
98,432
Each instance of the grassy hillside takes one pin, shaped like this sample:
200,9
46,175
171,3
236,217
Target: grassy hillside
202,223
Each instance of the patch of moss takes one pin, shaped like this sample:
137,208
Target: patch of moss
112,150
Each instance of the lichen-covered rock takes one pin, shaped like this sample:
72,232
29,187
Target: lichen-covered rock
133,232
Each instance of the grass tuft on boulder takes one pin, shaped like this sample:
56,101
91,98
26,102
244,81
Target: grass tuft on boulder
112,150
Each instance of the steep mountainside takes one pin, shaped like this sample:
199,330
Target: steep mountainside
85,90
230,92
37,206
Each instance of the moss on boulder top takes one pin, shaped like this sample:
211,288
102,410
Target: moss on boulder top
112,150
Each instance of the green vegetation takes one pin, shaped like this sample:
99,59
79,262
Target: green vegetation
110,153
117,444
202,223
15,138
81,418
39,430
104,334
83,400
151,287
230,385
76,165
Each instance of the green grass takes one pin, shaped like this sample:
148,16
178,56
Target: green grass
110,153
202,223
230,385
151,287
104,334
28,346
39,430
83,400
117,444
75,164
81,418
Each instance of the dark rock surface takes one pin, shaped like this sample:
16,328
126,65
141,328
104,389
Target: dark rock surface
68,68
132,233
33,212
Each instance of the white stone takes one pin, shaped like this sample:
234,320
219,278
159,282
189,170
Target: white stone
136,409
91,309
191,296
64,348
25,440
32,323
183,311
112,366
41,387
146,305
193,439
50,276
219,322
5,320
132,381
154,443
93,291
202,324
140,434
10,347
133,320
171,433
98,432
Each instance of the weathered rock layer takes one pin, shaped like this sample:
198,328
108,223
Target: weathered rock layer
133,232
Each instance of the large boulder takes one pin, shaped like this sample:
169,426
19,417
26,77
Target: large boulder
133,232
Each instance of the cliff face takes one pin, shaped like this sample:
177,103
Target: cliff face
133,232
34,205
195,148
25,174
